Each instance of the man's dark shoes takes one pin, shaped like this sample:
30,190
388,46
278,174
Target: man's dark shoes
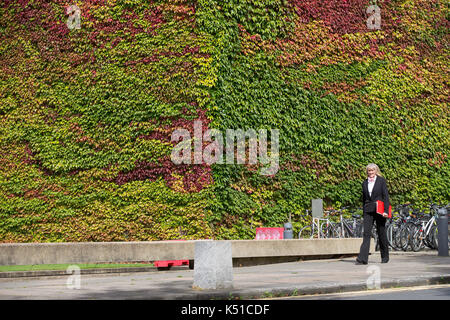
358,262
384,260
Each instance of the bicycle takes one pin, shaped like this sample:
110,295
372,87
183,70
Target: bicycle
399,235
355,228
347,228
314,229
303,230
424,233
394,226
405,230
328,227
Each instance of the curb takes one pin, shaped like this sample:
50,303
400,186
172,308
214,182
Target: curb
51,273
244,294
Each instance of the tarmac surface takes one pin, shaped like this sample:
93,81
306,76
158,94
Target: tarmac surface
405,269
420,293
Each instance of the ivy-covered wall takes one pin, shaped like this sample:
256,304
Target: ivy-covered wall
87,114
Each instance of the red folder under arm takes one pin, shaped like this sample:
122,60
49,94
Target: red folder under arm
380,208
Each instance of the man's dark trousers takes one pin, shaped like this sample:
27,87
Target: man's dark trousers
382,237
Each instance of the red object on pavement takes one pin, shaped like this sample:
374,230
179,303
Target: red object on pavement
170,263
269,233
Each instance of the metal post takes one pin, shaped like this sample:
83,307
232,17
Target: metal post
316,222
317,213
442,232
288,233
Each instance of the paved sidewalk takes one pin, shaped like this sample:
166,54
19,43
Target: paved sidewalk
283,279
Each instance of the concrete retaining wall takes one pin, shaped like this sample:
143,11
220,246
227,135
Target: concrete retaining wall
92,252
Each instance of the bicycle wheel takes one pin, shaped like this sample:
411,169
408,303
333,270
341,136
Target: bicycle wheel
336,230
348,232
390,233
396,236
405,235
404,238
429,238
306,232
434,237
333,232
339,232
359,230
326,231
416,238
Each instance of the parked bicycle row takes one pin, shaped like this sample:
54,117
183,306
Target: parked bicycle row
329,227
414,229
408,229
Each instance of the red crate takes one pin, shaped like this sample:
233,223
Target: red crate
269,233
170,263
167,264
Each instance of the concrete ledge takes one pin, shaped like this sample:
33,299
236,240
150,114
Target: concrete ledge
52,273
255,261
295,247
93,252
96,252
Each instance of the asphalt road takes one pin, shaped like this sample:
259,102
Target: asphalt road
436,292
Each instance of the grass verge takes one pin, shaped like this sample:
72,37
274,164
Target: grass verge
37,267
